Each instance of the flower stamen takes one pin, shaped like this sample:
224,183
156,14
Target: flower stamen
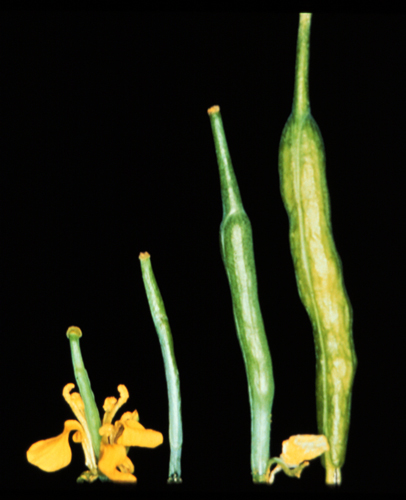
77,406
111,405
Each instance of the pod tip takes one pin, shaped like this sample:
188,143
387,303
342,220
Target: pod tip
144,256
74,330
213,109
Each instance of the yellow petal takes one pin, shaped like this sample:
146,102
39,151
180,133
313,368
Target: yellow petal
78,437
130,415
75,401
113,456
106,430
111,405
297,449
54,453
135,434
126,466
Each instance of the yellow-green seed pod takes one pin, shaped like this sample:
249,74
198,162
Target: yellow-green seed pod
317,264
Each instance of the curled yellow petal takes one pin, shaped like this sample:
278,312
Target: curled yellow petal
75,401
53,454
78,437
113,456
135,434
297,449
111,405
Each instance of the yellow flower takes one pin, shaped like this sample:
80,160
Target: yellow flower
53,454
303,447
115,438
296,451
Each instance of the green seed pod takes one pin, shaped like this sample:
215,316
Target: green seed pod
163,330
82,378
317,264
238,257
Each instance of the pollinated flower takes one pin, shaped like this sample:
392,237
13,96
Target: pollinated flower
55,453
296,453
105,444
116,439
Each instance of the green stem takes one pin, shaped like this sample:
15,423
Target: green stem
301,102
163,329
238,257
91,412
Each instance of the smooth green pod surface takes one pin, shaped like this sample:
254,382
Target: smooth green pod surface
82,378
317,264
163,330
238,256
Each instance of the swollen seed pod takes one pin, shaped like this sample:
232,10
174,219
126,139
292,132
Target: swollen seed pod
238,257
317,264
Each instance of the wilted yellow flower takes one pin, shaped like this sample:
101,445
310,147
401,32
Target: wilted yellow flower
296,451
53,454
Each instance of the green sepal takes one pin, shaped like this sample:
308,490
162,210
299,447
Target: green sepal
87,477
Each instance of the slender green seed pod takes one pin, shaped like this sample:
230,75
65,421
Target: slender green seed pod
82,379
317,264
163,330
238,257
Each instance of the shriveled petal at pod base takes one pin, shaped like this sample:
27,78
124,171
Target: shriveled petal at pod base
53,454
135,434
297,449
113,456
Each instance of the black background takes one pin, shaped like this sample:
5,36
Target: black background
107,151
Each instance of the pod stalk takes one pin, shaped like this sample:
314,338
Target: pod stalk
301,101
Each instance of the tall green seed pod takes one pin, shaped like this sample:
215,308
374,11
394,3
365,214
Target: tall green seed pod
317,264
163,330
238,257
